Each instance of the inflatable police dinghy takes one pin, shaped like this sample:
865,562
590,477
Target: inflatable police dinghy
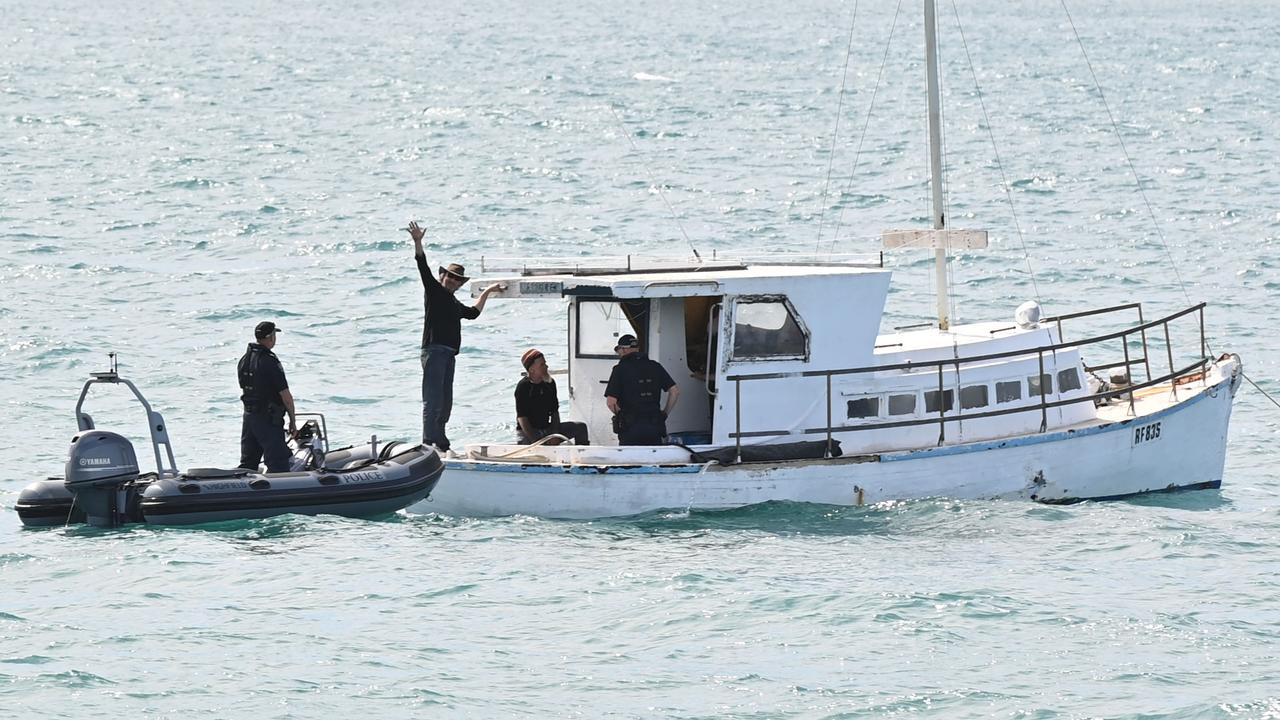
104,487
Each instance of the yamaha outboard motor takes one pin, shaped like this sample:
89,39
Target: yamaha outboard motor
100,468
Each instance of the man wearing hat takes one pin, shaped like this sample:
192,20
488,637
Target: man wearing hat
266,397
441,338
634,388
538,406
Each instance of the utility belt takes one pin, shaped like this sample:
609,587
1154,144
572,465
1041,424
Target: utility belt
624,420
267,410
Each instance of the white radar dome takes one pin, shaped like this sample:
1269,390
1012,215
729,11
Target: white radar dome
1027,315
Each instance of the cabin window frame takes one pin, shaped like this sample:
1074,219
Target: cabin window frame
986,396
642,334
945,397
1074,374
1034,385
915,403
794,316
1015,384
876,401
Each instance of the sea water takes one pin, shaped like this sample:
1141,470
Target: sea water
173,173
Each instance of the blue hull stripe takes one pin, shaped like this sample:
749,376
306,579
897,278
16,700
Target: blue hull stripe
520,468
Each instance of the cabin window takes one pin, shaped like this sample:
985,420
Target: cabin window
867,407
973,396
935,401
602,322
1068,380
766,329
902,404
1008,391
1033,385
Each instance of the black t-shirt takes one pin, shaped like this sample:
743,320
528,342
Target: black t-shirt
638,382
537,402
442,322
261,379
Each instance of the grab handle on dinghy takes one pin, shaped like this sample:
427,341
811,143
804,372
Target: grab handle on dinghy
155,422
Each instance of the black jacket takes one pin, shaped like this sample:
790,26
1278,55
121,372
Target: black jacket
442,321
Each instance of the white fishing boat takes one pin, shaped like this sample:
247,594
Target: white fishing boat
789,391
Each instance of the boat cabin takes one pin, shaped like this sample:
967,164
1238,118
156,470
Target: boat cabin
780,353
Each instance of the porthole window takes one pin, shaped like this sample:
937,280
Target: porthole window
973,396
935,401
902,404
867,407
1068,380
1033,385
1008,391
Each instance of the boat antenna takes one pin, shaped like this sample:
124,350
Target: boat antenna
653,181
835,134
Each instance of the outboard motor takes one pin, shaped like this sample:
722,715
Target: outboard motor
99,470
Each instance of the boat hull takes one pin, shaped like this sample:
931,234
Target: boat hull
1181,446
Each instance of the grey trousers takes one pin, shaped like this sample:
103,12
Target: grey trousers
438,362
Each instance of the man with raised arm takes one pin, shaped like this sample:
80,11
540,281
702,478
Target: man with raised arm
441,338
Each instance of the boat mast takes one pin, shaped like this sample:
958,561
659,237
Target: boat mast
935,158
940,239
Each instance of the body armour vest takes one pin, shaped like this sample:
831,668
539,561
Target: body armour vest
260,373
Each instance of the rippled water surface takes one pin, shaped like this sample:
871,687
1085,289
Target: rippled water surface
173,173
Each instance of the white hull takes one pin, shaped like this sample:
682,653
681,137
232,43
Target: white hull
1168,445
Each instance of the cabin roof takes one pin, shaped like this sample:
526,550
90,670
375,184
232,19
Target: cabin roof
714,280
957,335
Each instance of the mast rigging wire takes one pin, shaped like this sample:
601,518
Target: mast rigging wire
835,134
888,43
1142,191
1004,180
653,182
1115,127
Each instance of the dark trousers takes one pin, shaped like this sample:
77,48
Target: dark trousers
642,430
263,434
438,362
575,431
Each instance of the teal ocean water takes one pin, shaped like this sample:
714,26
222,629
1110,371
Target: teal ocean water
173,173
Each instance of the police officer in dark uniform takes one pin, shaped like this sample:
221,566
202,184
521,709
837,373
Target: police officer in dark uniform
266,398
634,388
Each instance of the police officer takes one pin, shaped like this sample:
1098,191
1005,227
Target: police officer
266,399
634,388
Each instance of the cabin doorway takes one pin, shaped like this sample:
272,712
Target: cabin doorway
698,389
595,324
681,333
